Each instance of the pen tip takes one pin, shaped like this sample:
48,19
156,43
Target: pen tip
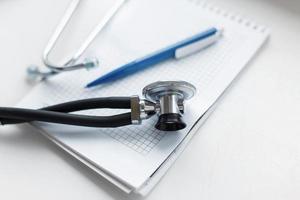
96,82
89,85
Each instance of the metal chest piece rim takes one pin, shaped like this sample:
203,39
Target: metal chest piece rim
156,90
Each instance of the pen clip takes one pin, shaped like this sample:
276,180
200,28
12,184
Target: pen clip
196,46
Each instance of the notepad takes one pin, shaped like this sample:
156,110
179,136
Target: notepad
134,158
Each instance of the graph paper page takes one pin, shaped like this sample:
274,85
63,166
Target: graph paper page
132,154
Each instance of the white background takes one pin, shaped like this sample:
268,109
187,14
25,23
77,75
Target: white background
248,149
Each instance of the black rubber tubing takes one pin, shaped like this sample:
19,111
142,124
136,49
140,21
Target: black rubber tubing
95,103
59,113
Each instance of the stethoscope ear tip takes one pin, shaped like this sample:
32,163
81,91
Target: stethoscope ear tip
91,63
33,73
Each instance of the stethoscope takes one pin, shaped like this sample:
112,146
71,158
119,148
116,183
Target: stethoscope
163,98
34,72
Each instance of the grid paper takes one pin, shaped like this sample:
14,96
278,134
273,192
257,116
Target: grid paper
133,154
140,141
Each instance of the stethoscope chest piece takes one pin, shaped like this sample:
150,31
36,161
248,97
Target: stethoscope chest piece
169,97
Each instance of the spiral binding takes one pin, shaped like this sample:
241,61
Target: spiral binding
230,16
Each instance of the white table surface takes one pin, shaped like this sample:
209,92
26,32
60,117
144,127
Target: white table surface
248,149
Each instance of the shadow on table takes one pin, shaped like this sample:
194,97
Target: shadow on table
291,5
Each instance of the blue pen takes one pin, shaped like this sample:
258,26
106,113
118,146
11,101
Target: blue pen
176,51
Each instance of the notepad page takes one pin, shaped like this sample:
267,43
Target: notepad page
132,154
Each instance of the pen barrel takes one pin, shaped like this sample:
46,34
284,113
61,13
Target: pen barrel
135,66
177,50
